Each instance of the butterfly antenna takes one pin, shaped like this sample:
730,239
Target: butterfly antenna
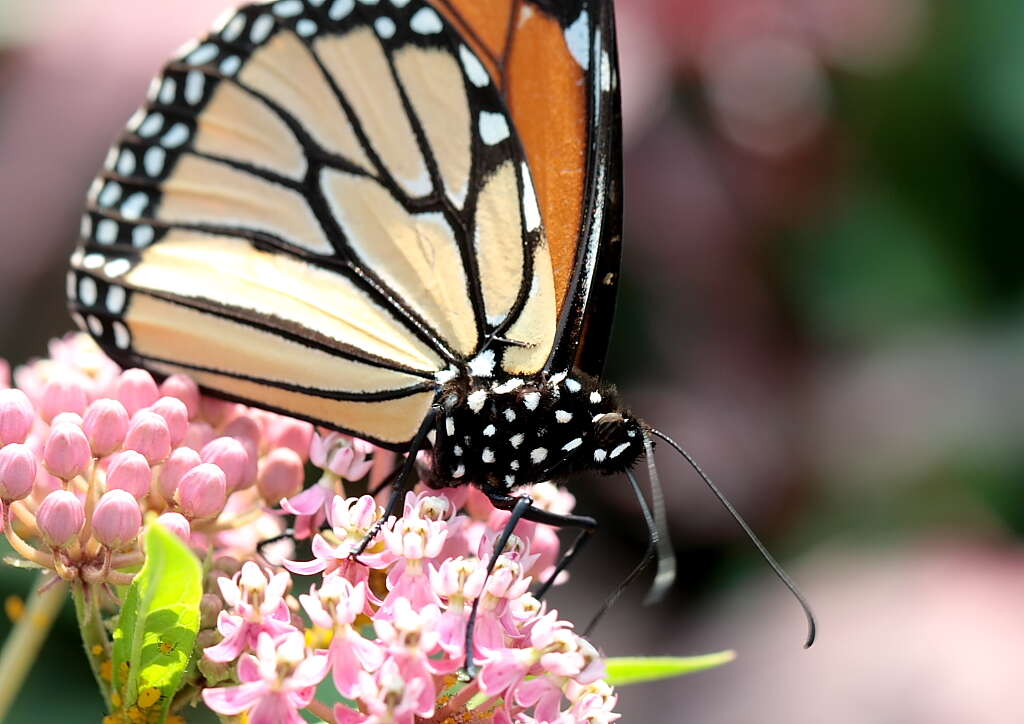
812,625
666,575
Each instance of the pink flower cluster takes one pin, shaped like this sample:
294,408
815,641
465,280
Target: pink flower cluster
87,449
390,628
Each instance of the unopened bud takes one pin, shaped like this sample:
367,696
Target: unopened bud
177,524
17,472
136,389
180,462
175,414
229,455
16,416
117,519
281,475
148,434
60,518
202,491
62,395
66,452
185,389
105,424
129,471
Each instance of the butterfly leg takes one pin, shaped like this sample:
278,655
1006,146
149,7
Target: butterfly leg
522,508
404,482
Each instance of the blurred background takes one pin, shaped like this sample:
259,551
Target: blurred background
822,299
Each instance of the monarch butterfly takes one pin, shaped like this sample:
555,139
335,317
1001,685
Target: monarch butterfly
395,218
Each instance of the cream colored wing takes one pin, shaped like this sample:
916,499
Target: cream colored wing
322,208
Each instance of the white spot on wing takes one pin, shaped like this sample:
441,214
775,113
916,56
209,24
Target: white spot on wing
110,194
595,397
487,455
230,65
305,27
134,205
288,8
261,28
563,416
517,439
176,136
606,72
531,211
117,267
449,426
538,455
121,337
71,285
93,261
384,26
106,231
233,29
619,450
167,91
509,385
151,125
153,160
493,127
490,430
87,292
116,297
142,236
572,444
600,455
126,163
95,325
459,471
340,8
531,400
577,37
195,82
473,68
426,22
203,54
572,385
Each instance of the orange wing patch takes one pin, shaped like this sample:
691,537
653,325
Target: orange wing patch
546,93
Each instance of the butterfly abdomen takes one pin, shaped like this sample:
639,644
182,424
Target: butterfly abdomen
505,433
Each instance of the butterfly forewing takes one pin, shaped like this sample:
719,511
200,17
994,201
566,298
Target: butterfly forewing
321,207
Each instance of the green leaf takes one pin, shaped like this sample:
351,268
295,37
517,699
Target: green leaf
637,669
157,628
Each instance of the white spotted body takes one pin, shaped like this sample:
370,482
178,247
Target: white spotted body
501,434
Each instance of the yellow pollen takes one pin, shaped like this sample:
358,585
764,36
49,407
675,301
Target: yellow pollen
115,699
107,670
148,697
14,607
97,649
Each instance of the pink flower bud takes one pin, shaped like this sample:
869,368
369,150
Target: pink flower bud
16,416
60,518
148,434
185,389
72,418
281,475
62,395
199,433
217,412
177,524
180,462
136,389
117,519
17,472
105,424
129,471
285,432
66,452
230,456
202,491
175,414
45,484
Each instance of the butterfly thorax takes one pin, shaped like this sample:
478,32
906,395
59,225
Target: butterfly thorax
504,433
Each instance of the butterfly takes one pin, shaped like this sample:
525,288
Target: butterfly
400,219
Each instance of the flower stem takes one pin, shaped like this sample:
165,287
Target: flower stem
22,645
90,625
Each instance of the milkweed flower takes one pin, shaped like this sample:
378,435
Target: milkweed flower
88,450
